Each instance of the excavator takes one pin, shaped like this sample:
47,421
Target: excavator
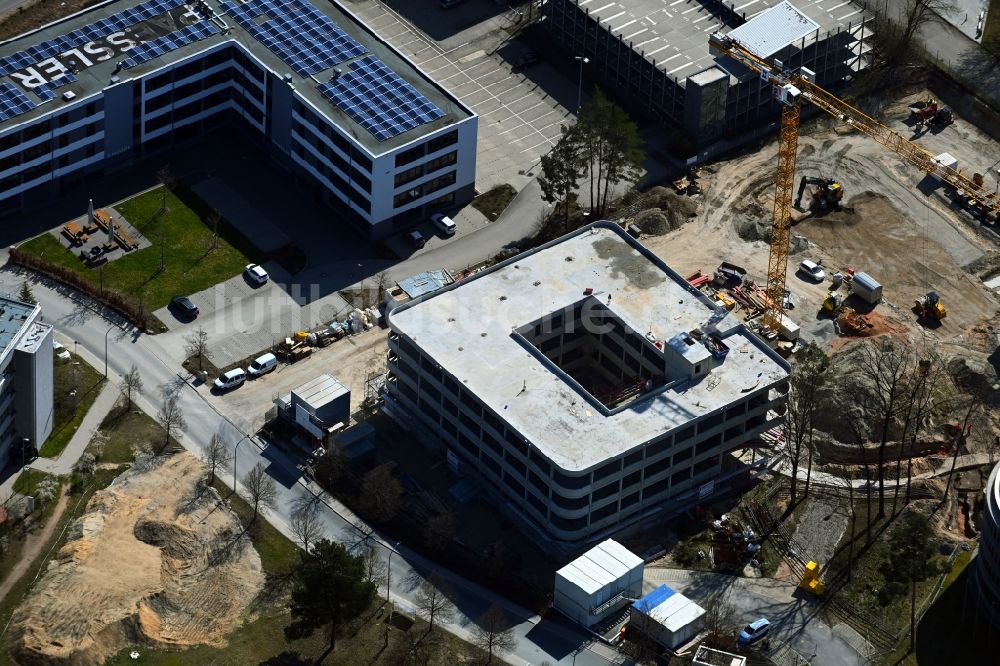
793,88
826,195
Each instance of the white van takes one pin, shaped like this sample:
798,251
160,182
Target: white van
262,365
231,379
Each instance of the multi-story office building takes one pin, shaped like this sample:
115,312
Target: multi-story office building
985,581
588,384
26,407
327,97
657,54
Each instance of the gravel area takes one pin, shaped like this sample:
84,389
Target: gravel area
819,530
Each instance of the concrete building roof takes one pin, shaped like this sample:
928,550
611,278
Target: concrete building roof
14,317
600,566
674,33
94,75
468,328
426,282
34,337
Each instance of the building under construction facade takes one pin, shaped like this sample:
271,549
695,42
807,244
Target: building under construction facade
584,383
655,52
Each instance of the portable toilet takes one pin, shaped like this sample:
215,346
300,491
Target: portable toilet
865,286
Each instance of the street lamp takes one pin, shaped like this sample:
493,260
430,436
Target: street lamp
583,60
388,571
106,350
235,450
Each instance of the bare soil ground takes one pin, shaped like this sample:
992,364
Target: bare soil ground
895,225
33,545
158,560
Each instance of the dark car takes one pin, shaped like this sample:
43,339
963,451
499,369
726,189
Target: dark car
182,305
526,60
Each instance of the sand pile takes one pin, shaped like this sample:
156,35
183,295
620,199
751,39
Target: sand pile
159,561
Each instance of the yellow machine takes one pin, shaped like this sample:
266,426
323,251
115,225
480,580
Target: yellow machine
930,306
825,196
792,89
810,580
725,299
833,301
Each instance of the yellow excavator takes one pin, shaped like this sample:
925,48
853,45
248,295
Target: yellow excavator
826,196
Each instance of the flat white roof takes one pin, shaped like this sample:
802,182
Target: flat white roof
774,29
468,330
600,566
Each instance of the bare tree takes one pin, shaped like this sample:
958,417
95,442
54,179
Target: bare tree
920,388
376,569
854,418
171,418
493,633
259,490
131,385
166,180
433,601
217,455
804,398
720,620
439,531
964,428
196,344
380,493
306,525
213,220
885,364
895,35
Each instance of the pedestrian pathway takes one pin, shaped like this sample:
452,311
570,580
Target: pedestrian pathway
77,444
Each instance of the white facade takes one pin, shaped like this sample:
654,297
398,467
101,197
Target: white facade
597,585
26,383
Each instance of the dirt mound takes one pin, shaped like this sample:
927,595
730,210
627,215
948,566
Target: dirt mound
652,222
674,209
160,560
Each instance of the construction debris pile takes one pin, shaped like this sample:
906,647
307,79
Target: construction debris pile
158,559
301,343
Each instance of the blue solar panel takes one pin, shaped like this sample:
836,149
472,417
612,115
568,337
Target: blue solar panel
13,102
298,33
157,47
46,91
379,100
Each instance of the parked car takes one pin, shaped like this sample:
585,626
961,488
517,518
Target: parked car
526,60
753,632
183,306
255,274
812,270
444,224
231,379
60,352
417,239
262,365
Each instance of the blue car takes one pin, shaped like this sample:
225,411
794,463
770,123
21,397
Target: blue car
753,632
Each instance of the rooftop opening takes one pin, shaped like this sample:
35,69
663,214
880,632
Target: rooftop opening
591,345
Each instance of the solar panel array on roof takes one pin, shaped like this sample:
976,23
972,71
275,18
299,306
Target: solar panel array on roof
96,30
178,38
379,100
13,102
298,33
46,91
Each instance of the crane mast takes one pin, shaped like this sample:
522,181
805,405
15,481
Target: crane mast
793,88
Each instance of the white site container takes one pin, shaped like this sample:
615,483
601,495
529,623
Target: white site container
598,584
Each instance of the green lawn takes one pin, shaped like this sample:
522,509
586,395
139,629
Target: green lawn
494,202
70,375
186,240
129,431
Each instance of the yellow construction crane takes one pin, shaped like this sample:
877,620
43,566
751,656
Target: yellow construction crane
792,89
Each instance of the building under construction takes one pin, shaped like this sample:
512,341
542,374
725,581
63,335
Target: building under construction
587,384
656,53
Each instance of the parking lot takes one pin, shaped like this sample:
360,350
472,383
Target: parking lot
519,111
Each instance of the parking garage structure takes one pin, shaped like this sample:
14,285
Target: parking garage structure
656,54
585,383
97,91
985,581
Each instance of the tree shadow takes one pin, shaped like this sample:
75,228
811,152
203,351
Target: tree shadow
287,658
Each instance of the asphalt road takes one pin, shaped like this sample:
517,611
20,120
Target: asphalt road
80,320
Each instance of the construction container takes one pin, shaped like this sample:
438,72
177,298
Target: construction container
667,616
946,161
598,584
866,288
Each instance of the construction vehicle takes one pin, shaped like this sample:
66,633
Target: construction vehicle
792,89
810,579
833,302
929,113
930,306
825,196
